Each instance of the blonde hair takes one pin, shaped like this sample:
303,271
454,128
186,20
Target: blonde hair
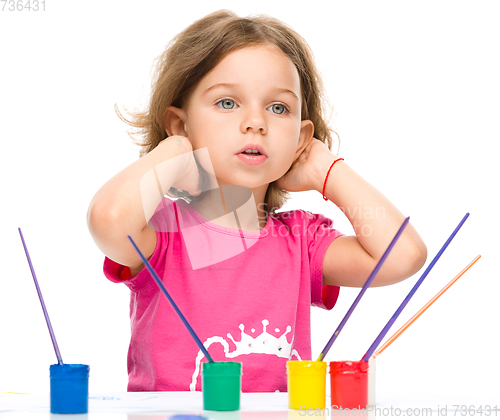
198,49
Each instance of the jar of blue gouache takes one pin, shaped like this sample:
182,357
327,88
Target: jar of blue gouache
69,389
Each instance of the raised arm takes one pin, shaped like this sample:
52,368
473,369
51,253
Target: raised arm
124,204
349,260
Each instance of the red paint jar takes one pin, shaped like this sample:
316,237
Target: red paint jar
349,384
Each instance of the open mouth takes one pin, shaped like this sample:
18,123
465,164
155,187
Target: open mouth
251,153
251,157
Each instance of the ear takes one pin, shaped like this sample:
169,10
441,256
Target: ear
305,136
175,121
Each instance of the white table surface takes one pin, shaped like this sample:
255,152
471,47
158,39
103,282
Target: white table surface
254,406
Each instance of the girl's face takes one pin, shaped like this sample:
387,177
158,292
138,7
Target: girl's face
250,100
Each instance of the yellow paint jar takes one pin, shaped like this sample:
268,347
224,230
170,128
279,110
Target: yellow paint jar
306,384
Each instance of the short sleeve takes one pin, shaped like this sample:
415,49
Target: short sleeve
163,222
317,233
118,273
320,234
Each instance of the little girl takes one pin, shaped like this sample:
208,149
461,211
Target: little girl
235,121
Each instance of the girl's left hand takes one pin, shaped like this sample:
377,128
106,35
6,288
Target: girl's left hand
307,172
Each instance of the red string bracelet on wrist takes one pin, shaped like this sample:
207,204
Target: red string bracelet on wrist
328,173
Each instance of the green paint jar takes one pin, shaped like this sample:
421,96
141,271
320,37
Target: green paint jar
221,386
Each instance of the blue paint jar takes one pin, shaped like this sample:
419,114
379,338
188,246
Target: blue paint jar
69,389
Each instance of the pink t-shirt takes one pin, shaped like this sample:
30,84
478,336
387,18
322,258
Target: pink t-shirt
246,294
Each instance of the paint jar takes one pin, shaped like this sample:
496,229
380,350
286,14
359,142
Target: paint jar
349,384
371,381
69,389
221,386
306,384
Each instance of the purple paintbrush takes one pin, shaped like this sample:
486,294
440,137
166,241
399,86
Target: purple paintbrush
51,331
362,291
384,331
174,305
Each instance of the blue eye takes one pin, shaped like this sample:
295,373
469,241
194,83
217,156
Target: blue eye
278,108
227,104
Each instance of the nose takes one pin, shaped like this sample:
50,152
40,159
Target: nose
254,121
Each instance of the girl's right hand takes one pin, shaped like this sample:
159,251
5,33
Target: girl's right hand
124,204
188,178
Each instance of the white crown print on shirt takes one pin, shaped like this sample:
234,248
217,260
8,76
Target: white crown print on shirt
264,343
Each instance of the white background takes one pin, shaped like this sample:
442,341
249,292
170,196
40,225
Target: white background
416,91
